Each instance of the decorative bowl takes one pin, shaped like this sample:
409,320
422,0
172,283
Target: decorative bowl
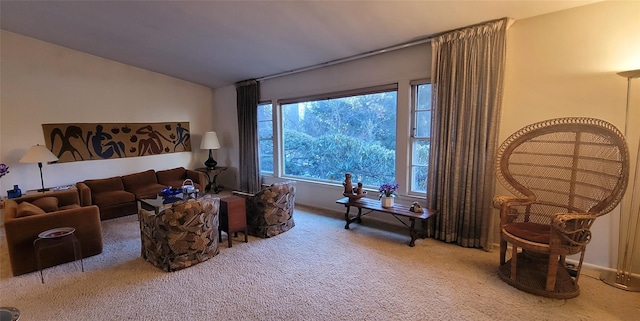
170,191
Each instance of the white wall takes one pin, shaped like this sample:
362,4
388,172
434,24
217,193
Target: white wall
558,65
564,64
226,125
45,83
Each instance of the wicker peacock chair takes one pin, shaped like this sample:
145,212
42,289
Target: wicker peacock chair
565,173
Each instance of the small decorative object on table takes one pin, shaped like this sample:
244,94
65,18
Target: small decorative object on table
4,170
189,188
170,191
416,208
387,194
353,193
56,232
169,194
15,192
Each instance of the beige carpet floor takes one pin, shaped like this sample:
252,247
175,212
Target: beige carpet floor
316,271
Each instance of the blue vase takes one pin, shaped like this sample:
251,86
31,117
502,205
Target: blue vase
15,192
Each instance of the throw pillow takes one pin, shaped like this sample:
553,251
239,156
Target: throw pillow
47,204
28,209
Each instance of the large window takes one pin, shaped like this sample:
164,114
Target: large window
325,137
265,137
421,135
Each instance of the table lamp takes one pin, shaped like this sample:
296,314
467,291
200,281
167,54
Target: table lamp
39,154
210,142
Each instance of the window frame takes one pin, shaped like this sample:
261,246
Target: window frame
413,129
325,96
272,139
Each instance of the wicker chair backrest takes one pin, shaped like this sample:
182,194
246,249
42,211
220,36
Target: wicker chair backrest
575,164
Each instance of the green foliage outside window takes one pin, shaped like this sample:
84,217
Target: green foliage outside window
265,137
324,139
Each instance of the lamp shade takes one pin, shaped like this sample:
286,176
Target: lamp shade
38,154
630,73
210,141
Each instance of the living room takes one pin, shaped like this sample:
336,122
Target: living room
558,64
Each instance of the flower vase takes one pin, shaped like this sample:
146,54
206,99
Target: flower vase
15,192
386,201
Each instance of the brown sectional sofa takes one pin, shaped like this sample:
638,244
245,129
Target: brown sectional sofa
21,231
116,196
109,195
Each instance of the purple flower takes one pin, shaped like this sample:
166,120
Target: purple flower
387,189
4,170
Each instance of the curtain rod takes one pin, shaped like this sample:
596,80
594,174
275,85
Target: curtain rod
350,58
375,52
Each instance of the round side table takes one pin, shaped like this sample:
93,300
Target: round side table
9,314
57,237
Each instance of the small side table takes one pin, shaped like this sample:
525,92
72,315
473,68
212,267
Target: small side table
57,237
9,314
233,217
212,176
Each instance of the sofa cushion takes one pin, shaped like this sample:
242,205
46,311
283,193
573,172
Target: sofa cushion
28,209
112,198
142,184
133,181
105,185
534,232
148,191
170,175
48,204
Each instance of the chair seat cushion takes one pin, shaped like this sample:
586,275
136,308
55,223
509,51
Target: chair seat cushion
533,232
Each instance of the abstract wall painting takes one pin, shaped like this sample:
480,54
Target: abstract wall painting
93,141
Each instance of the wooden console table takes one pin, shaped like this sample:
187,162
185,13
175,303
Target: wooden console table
396,211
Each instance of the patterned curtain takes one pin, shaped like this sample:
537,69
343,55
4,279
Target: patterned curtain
248,96
466,77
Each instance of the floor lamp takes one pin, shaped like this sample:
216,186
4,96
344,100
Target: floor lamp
39,154
623,278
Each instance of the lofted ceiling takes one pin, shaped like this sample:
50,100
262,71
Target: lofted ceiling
217,43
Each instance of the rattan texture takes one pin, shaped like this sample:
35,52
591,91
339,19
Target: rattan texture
564,173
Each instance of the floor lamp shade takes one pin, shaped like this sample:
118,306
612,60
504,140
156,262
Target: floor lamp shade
39,154
623,277
210,142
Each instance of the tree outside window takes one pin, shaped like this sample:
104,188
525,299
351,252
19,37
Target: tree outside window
421,137
324,139
265,137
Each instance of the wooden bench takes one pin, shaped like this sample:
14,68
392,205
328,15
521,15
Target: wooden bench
396,211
